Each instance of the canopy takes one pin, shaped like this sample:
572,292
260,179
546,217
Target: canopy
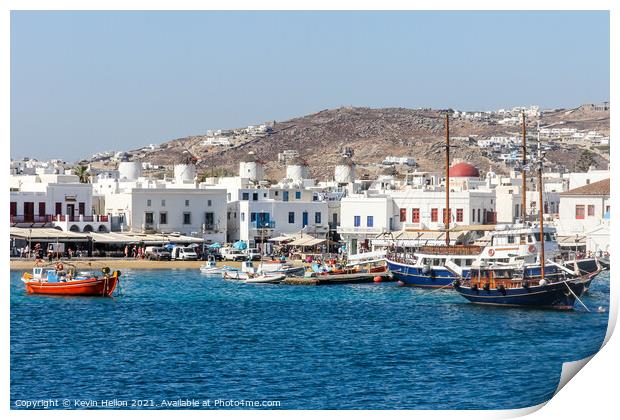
306,241
48,235
282,239
240,245
111,238
215,245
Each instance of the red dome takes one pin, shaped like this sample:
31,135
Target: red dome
465,170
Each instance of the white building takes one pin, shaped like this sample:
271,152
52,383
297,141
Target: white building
192,212
54,200
585,210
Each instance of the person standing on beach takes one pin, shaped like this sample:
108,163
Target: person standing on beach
126,251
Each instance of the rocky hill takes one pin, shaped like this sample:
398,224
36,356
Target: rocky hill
374,134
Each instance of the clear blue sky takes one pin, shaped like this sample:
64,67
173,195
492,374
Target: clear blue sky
83,82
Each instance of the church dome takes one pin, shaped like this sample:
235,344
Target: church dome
464,170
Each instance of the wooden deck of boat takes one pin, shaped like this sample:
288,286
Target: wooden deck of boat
336,279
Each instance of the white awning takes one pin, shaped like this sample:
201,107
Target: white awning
306,241
48,235
111,238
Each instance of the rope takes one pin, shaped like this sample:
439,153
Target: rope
576,297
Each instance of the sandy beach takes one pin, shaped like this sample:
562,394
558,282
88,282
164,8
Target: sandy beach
121,263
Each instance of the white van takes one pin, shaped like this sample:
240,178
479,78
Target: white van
185,253
233,254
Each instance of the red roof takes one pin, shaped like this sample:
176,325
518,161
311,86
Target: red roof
464,169
595,188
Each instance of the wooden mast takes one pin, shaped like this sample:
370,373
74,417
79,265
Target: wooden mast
523,174
541,211
447,210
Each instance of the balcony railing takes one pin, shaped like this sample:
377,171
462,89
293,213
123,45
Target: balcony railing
263,225
22,218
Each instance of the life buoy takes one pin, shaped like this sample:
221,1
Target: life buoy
59,266
531,249
491,252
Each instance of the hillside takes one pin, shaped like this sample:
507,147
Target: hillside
373,134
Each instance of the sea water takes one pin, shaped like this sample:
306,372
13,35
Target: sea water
175,336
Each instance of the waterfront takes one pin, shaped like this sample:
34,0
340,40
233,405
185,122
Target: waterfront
174,334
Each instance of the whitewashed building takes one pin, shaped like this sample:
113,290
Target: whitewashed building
586,210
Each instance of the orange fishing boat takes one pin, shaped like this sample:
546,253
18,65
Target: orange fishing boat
57,281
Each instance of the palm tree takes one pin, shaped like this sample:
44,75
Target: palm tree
82,172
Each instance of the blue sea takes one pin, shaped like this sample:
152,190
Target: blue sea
177,335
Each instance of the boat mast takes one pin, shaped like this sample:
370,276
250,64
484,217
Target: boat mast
447,211
541,210
523,164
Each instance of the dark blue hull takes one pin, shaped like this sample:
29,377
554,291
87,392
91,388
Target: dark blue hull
555,296
409,275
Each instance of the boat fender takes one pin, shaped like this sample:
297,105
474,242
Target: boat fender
487,286
426,269
526,285
105,270
502,289
531,249
491,252
116,273
456,283
59,266
542,282
474,287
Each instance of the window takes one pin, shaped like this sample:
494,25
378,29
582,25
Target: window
459,215
187,218
580,211
370,221
434,214
590,210
291,217
58,208
242,216
415,215
264,194
297,195
478,215
276,193
284,195
13,208
148,218
245,196
81,208
209,220
186,203
356,221
41,209
209,203
163,203
148,203
403,215
252,217
317,218
511,239
163,218
254,196
607,209
304,219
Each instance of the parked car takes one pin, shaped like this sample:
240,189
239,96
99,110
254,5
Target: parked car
233,254
157,253
211,254
184,253
253,254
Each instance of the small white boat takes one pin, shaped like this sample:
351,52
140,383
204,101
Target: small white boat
286,269
247,270
210,267
265,279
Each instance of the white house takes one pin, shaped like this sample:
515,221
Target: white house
192,212
586,209
54,200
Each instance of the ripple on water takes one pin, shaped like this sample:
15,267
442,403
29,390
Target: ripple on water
177,334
